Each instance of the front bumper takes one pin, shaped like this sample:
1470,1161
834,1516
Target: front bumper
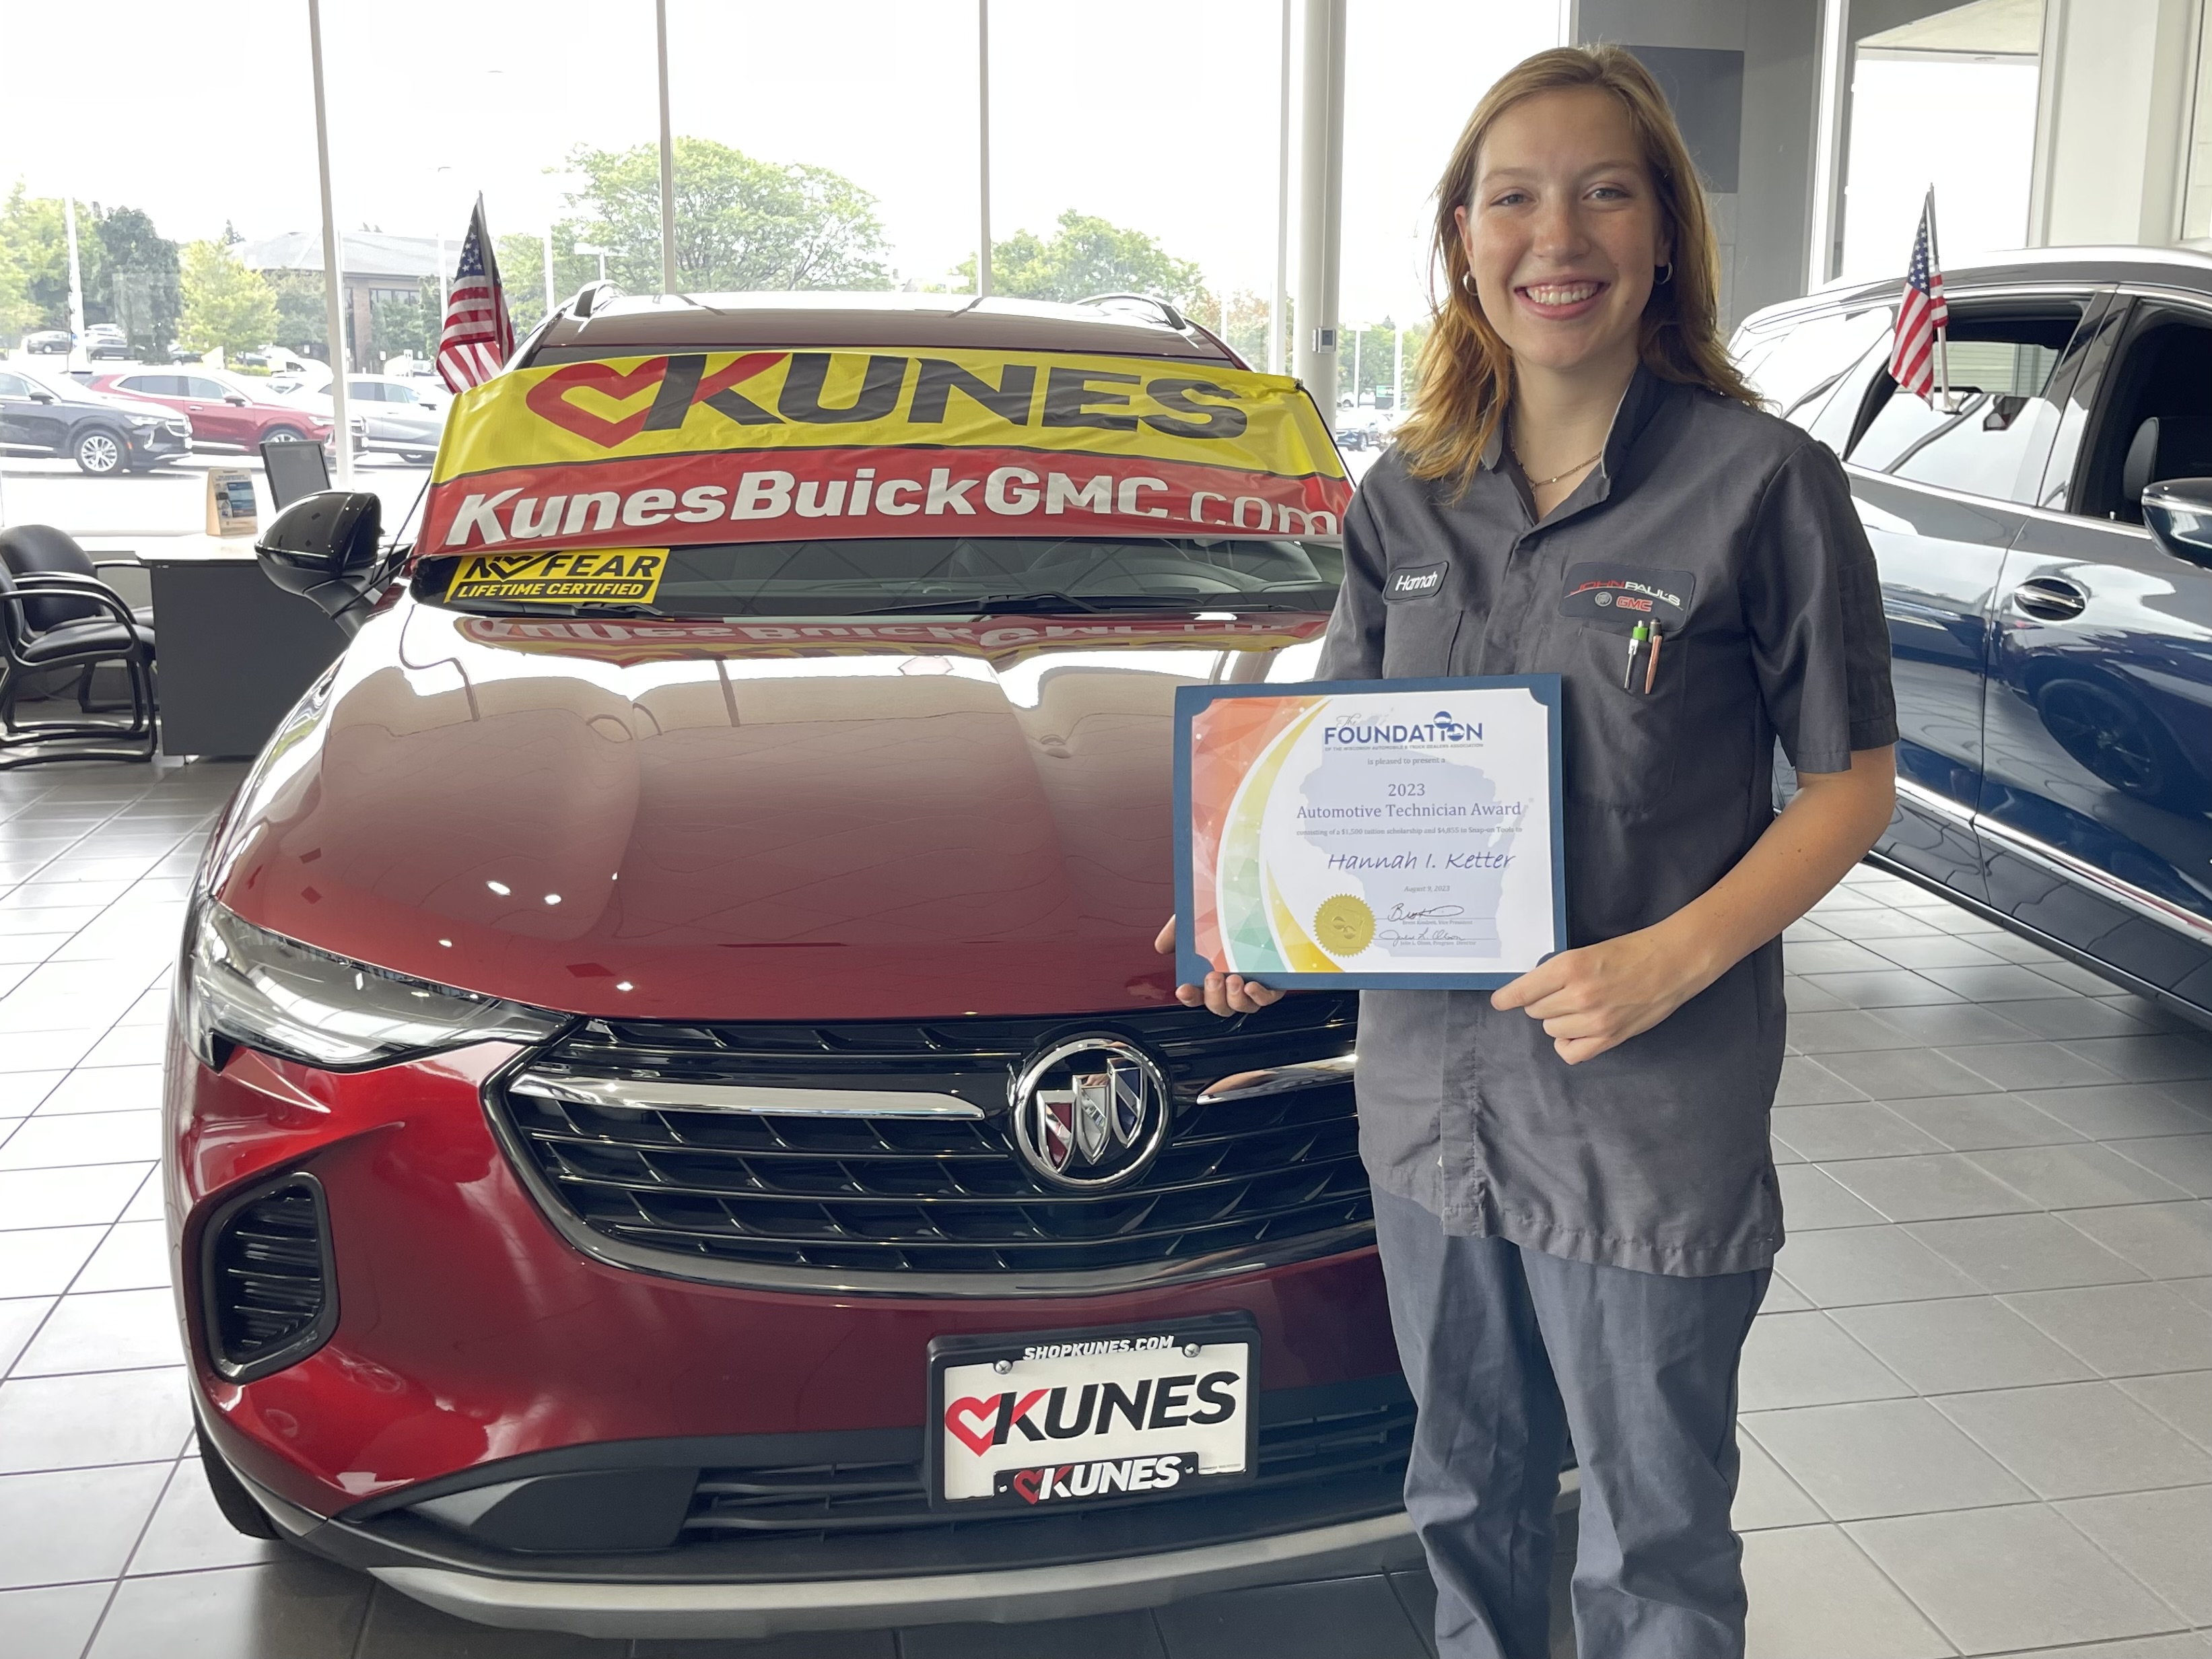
644,1608
161,443
468,1334
1010,1596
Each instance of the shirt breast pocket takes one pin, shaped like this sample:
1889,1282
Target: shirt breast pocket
1624,698
1420,622
1622,740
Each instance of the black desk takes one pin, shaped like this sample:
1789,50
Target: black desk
235,650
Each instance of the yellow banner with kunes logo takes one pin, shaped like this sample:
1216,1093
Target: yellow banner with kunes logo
763,400
709,446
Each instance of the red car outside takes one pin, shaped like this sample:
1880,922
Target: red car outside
619,1051
222,409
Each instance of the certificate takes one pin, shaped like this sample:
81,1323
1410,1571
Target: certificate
1369,834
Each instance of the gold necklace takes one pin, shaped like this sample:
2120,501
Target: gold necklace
1538,483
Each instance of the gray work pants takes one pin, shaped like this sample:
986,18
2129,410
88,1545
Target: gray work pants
1508,1351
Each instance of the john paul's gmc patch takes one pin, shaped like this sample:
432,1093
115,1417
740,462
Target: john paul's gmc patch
1620,596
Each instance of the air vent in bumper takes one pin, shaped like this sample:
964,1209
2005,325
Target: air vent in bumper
268,1286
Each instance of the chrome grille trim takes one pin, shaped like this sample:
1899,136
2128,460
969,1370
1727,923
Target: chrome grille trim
934,1204
628,1095
1281,1079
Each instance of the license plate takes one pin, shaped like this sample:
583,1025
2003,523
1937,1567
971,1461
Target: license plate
1076,1417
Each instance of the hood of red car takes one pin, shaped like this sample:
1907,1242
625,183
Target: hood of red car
744,820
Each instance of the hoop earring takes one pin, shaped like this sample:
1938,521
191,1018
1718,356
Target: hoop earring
1668,275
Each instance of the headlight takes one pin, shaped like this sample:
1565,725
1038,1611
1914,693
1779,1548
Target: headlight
144,420
245,985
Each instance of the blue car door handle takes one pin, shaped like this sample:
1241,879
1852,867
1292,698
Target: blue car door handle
2050,598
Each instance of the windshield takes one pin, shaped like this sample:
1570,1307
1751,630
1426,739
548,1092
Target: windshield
936,576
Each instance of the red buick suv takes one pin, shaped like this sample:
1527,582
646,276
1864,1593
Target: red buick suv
676,1123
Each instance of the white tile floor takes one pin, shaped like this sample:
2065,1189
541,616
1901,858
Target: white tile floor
1977,1409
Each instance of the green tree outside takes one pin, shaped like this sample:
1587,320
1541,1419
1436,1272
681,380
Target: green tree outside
144,282
1087,255
522,275
407,325
225,305
741,223
18,315
34,236
1244,327
302,319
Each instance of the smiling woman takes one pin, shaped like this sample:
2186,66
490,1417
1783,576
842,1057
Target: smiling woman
1574,1201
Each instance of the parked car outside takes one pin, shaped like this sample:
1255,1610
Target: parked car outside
2054,683
105,340
288,380
225,411
47,342
400,419
694,987
388,415
43,414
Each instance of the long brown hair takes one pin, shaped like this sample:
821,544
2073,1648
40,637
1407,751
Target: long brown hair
1466,369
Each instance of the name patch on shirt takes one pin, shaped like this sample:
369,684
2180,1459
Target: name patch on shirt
1418,581
1620,596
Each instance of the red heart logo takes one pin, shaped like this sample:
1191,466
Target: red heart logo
550,398
1027,1482
985,1412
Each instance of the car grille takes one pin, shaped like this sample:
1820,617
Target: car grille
822,1501
842,1199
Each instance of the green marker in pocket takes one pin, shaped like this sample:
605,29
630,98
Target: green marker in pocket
1636,636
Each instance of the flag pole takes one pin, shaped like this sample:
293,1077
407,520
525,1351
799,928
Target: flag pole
1943,330
333,262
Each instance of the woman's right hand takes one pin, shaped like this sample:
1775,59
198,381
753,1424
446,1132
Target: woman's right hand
1224,993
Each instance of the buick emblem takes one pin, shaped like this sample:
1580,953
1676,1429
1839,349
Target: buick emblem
1089,1112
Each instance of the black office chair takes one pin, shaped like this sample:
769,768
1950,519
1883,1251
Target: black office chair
57,616
40,548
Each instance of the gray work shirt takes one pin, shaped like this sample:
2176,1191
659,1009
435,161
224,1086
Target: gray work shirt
1735,533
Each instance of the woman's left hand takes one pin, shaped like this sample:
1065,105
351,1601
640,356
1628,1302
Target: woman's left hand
1598,997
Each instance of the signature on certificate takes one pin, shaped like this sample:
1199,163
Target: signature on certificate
1433,913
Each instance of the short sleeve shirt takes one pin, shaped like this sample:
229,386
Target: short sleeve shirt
1732,534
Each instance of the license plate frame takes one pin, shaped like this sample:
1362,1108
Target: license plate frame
950,1354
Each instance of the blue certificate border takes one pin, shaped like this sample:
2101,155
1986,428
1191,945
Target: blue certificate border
1191,968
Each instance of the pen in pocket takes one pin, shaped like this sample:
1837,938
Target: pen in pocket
1651,662
1637,635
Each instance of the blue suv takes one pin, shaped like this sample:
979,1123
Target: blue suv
2045,544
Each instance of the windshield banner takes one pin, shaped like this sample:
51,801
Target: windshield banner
775,445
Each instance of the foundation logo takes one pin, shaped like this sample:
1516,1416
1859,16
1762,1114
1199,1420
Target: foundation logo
1089,1112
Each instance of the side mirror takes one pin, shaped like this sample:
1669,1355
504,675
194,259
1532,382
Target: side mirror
2179,512
238,398
323,547
39,397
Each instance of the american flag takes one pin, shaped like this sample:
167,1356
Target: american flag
479,335
1921,312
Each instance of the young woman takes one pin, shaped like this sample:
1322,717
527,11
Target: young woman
1573,1192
